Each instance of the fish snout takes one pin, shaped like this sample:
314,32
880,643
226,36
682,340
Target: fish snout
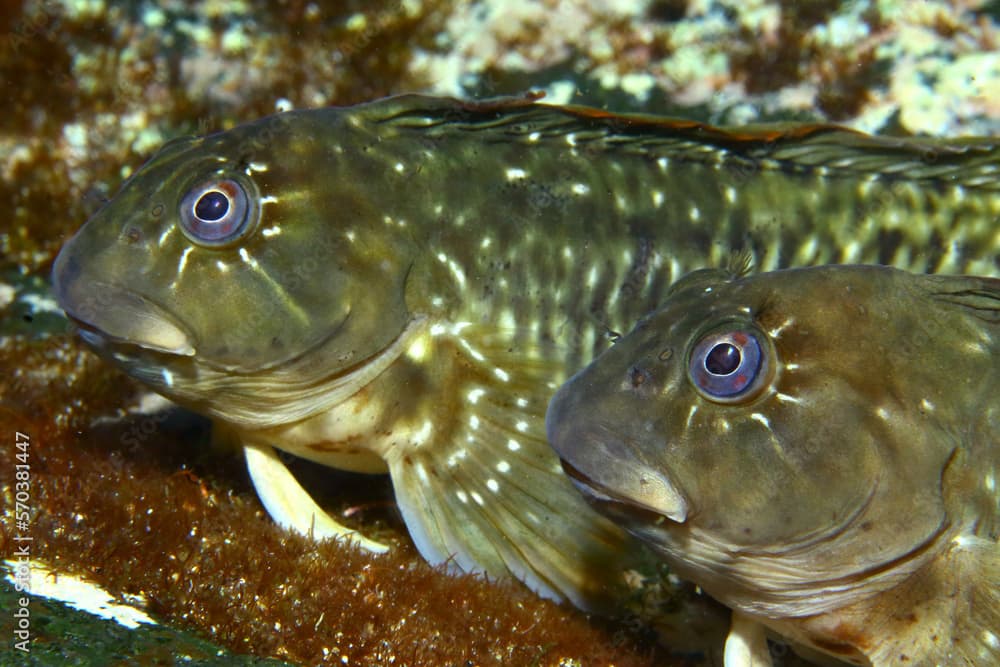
105,312
597,453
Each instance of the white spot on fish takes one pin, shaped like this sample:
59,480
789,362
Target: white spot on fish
462,496
269,199
521,426
758,417
592,276
722,425
424,434
658,198
485,243
522,402
990,482
271,231
571,139
250,261
991,640
165,235
691,413
478,498
513,445
222,266
581,189
882,413
457,271
503,466
791,367
501,374
492,485
695,214
534,136
730,194
785,398
183,261
663,163
473,422
351,236
418,349
255,166
926,405
399,167
475,395
776,331
514,174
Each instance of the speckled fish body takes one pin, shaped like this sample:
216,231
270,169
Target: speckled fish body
818,448
402,285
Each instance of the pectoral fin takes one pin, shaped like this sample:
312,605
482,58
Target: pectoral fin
746,645
290,505
485,492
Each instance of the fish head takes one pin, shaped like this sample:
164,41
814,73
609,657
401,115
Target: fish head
239,252
765,432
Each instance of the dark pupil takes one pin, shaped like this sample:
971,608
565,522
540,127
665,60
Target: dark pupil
212,206
723,359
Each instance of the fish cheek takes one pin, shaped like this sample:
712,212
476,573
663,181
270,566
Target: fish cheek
770,479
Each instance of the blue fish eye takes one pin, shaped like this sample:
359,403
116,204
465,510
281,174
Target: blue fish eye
217,212
728,365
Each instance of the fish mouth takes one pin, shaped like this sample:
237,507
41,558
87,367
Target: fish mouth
667,505
119,317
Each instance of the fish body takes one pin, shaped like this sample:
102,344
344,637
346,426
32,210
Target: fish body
401,286
818,449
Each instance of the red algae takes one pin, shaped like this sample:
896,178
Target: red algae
179,526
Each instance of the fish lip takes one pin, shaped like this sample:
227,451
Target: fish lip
617,504
161,333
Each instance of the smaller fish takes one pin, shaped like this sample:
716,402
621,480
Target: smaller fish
818,449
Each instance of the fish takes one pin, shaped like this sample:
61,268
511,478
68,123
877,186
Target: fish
818,448
400,286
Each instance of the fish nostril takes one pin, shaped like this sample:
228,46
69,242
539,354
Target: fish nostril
636,377
132,235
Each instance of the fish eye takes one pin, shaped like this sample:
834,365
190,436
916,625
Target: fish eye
218,212
728,365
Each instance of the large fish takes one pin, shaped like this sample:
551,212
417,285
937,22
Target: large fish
818,449
401,286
